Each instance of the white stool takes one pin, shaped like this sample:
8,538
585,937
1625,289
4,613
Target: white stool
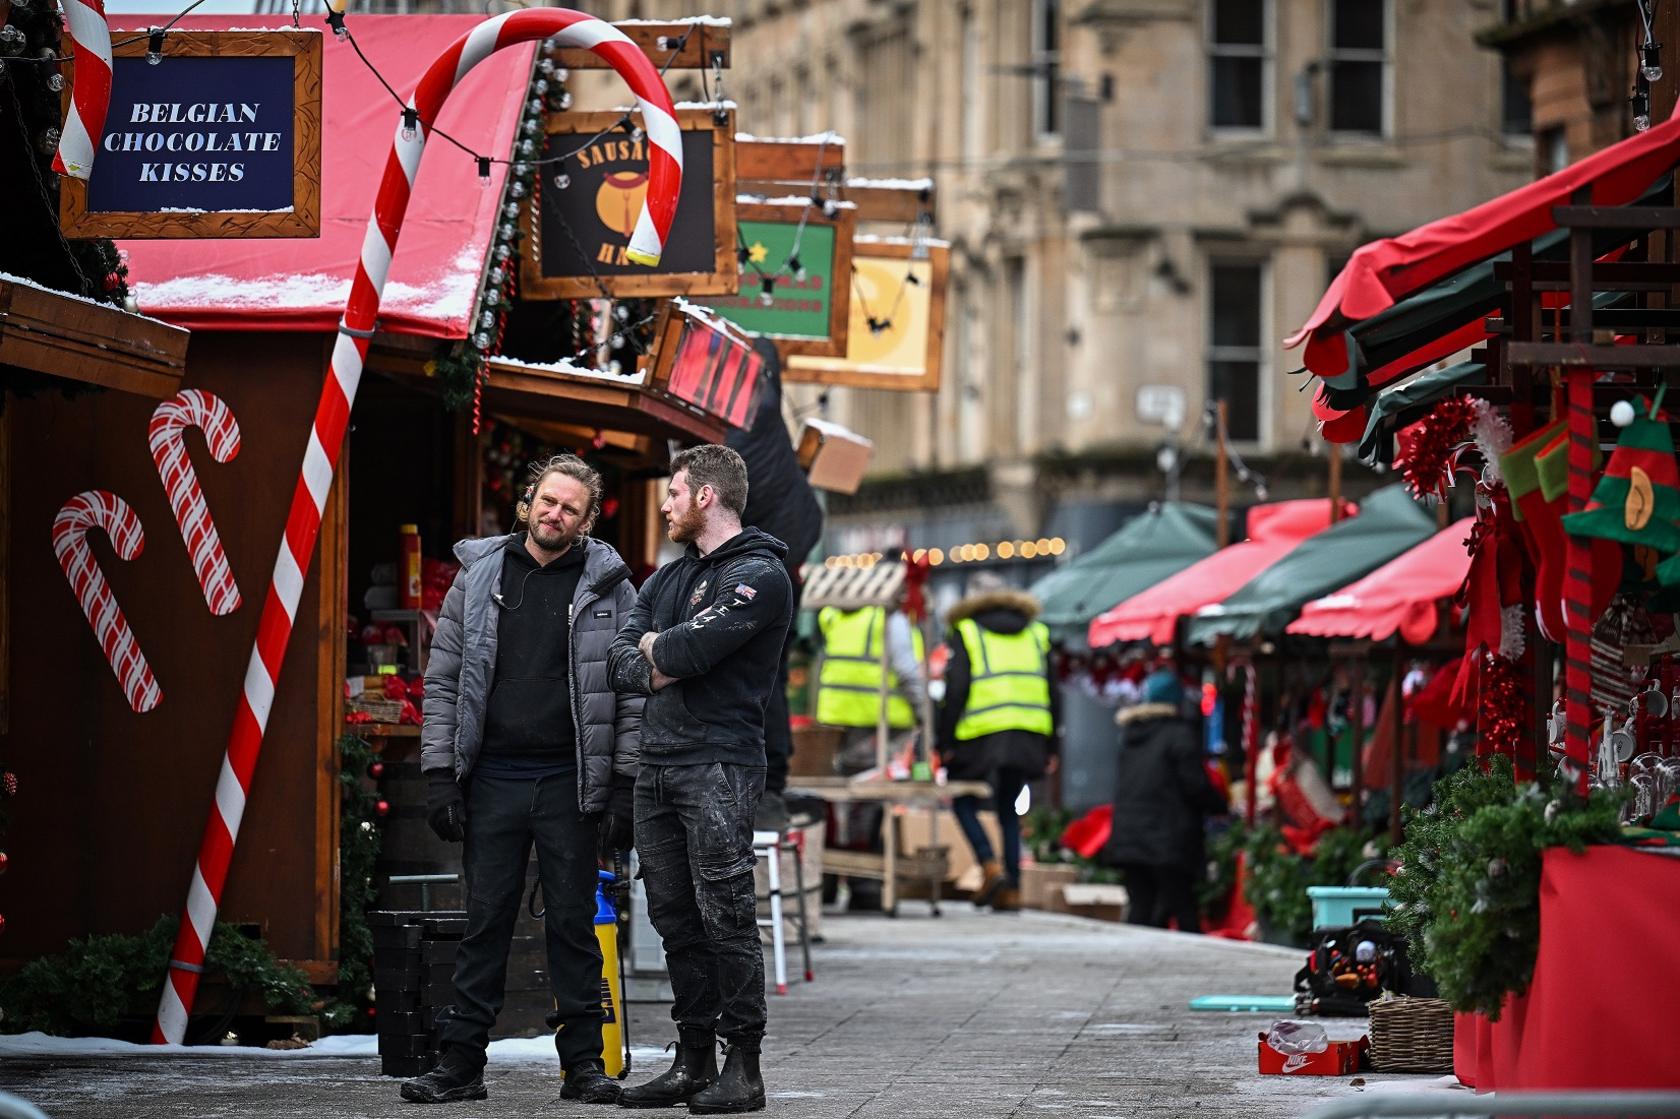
770,845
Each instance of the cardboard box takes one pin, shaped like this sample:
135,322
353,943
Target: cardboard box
1104,901
1041,885
917,830
1342,1058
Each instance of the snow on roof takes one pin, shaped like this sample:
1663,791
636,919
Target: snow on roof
569,369
24,281
870,239
891,184
699,21
828,137
790,200
829,427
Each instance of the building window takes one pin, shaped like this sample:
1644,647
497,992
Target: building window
1359,66
973,95
1516,111
1047,67
1552,151
1238,63
1236,349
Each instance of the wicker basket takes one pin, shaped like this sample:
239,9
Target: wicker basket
377,708
1411,1035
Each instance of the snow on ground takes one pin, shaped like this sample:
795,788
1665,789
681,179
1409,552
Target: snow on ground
356,1046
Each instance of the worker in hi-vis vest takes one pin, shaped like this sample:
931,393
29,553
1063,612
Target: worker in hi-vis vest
999,720
849,694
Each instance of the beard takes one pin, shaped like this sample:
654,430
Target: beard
686,528
550,537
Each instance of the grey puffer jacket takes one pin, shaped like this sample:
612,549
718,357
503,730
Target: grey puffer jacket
462,667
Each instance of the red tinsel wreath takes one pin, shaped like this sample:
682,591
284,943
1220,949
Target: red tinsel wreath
1502,723
1429,448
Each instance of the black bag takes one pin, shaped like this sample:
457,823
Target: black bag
1350,968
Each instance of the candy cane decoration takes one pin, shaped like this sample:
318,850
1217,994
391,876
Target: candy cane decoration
211,415
103,510
90,89
338,395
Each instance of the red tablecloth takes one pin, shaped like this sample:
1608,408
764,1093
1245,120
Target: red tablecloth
1604,1008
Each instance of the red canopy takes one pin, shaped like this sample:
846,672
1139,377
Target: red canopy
1400,595
301,284
1381,273
1273,532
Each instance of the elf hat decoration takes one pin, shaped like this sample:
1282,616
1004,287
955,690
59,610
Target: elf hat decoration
1637,500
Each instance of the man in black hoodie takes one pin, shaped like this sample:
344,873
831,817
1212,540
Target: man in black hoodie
704,643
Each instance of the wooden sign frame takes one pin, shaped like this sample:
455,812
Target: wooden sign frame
850,371
669,330
723,279
304,47
844,224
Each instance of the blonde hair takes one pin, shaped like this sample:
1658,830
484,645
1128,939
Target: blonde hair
572,467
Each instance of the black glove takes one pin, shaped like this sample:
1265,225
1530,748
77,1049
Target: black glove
446,808
618,823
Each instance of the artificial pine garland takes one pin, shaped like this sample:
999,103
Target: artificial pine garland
358,852
1467,894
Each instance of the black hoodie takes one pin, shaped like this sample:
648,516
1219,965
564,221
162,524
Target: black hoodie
721,620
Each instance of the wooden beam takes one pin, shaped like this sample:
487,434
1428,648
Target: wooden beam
1640,218
705,43
64,336
1597,356
874,201
797,162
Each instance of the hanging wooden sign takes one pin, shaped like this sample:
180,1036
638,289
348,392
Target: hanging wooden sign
578,219
222,138
897,327
705,362
790,252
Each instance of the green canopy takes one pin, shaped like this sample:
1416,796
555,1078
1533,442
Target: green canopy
1389,522
1425,388
1146,549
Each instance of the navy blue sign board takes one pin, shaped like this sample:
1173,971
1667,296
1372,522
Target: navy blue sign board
220,139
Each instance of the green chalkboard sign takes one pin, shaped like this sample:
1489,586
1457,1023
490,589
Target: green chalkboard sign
808,312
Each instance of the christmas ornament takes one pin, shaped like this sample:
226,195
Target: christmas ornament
166,437
1502,724
1538,505
383,807
5,861
376,770
1637,500
1430,448
9,784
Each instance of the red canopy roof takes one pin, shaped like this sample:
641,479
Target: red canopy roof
1273,532
1400,595
301,284
1383,272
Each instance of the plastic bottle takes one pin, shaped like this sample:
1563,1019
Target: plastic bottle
408,572
612,999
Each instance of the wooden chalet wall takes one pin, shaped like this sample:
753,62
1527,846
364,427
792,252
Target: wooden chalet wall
106,826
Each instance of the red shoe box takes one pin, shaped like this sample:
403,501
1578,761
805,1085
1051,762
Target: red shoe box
1343,1058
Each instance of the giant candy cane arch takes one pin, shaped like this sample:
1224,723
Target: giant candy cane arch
338,394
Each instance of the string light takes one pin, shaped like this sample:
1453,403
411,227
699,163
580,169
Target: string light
484,171
1640,103
562,181
154,46
767,291
410,124
1650,61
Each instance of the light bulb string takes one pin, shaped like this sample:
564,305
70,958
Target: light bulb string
47,203
53,59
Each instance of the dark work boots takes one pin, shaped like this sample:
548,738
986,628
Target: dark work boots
694,1069
739,1086
458,1076
588,1081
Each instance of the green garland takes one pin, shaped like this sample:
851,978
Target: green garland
358,852
99,981
1467,897
1278,878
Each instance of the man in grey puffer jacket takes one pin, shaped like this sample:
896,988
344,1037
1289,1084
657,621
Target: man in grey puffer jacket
524,741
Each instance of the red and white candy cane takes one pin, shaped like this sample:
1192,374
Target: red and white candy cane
338,394
211,415
90,87
1250,734
103,510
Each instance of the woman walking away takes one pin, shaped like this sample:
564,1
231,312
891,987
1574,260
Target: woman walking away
1161,794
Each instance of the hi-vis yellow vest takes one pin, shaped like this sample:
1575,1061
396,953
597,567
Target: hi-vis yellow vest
1008,689
849,682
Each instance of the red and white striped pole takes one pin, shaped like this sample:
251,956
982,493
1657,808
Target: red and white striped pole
338,394
90,87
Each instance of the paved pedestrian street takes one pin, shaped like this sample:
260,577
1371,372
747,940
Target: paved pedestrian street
967,1015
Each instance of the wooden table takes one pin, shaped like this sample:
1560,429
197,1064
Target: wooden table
928,865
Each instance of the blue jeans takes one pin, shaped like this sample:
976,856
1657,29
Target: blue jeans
505,816
1006,788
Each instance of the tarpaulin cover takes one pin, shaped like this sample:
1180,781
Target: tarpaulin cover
1380,274
1389,523
1152,611
301,283
1146,549
1403,594
1617,1031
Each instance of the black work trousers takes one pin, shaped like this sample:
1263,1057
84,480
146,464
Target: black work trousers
505,817
694,840
1159,894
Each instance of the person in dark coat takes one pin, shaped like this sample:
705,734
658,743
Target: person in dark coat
1161,794
999,721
